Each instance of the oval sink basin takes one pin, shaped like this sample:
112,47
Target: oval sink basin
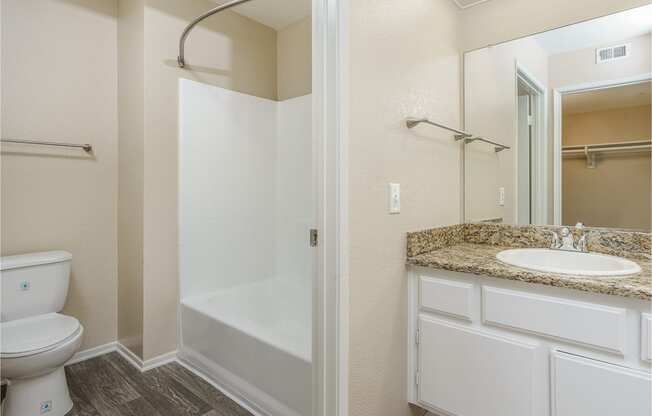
568,262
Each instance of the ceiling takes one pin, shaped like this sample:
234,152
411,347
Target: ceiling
463,4
602,31
276,14
634,95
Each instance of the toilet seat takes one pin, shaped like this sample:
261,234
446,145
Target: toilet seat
36,334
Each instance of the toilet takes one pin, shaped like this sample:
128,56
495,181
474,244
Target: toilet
36,340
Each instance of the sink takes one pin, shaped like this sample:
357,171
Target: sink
568,262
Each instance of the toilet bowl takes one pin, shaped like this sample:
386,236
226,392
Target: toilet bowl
36,340
34,351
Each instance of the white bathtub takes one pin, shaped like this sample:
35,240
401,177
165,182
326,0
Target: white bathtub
255,342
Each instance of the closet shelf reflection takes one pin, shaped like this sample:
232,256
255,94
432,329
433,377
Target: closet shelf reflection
591,150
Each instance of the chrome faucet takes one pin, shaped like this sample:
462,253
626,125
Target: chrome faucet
565,240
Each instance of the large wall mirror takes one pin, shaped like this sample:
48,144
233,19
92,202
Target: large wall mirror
574,106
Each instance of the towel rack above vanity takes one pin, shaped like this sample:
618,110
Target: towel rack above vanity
459,134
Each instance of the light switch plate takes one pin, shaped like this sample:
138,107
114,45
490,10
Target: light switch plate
501,196
394,198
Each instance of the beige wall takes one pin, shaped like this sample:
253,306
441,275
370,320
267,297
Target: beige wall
497,21
294,48
404,61
131,168
616,193
59,83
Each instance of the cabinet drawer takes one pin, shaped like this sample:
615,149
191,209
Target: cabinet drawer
585,387
446,296
583,323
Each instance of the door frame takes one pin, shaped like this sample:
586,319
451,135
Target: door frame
540,200
558,94
330,280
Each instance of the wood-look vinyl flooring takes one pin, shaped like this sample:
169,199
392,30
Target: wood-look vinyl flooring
109,386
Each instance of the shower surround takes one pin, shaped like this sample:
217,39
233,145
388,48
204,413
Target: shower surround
245,210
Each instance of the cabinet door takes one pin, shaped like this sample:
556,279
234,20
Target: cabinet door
586,387
466,372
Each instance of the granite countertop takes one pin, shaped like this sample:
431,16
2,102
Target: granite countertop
472,248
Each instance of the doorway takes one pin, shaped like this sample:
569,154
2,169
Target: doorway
531,145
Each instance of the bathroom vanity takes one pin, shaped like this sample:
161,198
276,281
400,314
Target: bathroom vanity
487,338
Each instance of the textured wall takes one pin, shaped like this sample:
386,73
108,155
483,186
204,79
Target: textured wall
404,62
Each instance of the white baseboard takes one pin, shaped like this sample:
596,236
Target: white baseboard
126,353
159,360
240,391
93,352
145,365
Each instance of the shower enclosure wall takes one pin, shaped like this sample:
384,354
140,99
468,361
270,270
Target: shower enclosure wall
246,206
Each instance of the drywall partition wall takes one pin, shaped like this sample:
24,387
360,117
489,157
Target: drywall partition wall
59,83
490,110
130,174
404,61
245,190
227,148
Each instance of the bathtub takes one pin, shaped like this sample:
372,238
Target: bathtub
254,341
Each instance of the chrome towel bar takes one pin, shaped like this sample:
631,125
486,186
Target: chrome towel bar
498,147
413,122
459,134
87,147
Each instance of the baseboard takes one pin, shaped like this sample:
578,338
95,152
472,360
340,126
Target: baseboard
145,365
126,353
131,358
93,352
159,360
244,394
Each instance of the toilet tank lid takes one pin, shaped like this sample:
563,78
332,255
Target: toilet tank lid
33,259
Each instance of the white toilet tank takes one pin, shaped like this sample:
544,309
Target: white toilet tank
34,284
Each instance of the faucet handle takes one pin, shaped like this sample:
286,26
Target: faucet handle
556,241
581,244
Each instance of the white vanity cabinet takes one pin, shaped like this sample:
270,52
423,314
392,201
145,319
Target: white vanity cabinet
481,346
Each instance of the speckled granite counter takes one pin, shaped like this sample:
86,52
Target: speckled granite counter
472,248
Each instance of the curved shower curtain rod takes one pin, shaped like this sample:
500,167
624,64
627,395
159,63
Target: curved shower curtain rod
181,59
